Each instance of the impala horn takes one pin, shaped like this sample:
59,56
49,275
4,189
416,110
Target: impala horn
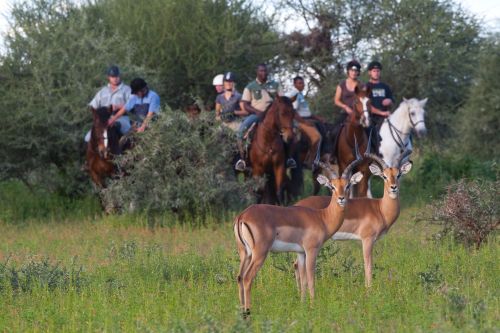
374,157
353,164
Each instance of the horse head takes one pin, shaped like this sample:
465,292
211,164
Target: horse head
284,117
99,135
416,115
362,105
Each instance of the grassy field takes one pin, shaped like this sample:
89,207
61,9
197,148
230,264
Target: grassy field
109,274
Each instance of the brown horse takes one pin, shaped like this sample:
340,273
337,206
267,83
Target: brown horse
354,128
267,151
103,145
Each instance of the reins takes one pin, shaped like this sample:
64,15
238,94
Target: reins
397,133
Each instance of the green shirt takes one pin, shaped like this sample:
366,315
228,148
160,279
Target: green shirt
261,95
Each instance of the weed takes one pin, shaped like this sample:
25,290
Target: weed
431,278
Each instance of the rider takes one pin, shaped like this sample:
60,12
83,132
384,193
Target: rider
258,95
227,104
115,93
307,123
344,94
143,104
218,83
381,99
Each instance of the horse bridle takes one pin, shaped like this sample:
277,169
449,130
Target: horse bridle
395,131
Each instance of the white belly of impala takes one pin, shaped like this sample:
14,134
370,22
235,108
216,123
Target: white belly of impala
345,236
280,246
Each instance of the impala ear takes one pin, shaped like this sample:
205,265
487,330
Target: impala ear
375,169
406,167
356,178
323,180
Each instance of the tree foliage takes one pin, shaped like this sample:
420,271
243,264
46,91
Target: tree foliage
479,119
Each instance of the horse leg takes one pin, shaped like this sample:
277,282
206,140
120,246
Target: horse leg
279,181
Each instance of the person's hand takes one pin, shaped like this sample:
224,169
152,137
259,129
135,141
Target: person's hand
386,102
386,114
348,110
218,118
141,129
111,121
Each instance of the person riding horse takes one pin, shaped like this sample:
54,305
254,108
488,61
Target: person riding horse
143,104
257,96
227,104
311,126
381,99
114,94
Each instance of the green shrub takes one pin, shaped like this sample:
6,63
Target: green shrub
179,166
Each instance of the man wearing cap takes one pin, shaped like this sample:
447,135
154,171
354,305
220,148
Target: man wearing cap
381,99
258,95
143,104
115,93
227,104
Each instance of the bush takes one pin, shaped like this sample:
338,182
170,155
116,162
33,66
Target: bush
468,211
181,166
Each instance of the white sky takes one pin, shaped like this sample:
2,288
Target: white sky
486,10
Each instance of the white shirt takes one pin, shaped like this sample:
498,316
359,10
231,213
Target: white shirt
300,104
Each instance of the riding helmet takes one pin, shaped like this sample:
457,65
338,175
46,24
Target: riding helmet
137,85
229,76
374,64
353,64
217,81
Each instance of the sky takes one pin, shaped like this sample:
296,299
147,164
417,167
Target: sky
486,10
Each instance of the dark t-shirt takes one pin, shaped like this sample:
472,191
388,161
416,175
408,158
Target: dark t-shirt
379,92
229,105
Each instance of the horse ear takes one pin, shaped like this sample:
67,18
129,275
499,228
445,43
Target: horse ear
110,109
405,99
423,102
357,89
368,89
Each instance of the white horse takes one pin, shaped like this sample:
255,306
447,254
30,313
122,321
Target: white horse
396,130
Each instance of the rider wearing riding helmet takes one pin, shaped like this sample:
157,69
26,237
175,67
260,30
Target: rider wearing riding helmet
227,104
344,94
143,104
381,99
218,83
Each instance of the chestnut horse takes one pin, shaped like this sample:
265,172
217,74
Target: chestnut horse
103,145
267,151
354,129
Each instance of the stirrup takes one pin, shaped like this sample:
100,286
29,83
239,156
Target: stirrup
240,165
290,163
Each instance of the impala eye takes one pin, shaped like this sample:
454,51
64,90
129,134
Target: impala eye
384,177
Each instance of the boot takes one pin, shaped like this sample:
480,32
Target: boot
240,164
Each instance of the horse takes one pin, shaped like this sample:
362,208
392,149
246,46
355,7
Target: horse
267,151
103,145
354,131
395,130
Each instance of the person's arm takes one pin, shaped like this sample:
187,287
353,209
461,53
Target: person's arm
154,107
249,108
387,102
337,101
218,110
117,115
379,112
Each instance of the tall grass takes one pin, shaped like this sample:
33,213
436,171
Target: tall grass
100,275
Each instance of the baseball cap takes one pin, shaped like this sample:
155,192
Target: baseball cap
374,64
113,71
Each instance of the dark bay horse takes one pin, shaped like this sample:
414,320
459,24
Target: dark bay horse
103,145
354,130
267,151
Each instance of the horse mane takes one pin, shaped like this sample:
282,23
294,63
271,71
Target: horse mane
103,113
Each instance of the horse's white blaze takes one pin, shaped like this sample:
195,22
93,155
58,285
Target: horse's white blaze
280,246
364,101
105,136
345,236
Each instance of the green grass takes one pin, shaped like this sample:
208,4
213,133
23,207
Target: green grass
106,274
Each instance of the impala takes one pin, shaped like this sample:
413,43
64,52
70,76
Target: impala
263,228
367,219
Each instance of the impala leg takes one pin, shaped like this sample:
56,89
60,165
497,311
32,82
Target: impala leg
256,262
244,261
310,270
367,257
301,263
297,273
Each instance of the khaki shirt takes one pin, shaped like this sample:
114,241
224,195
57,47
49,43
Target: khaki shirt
261,95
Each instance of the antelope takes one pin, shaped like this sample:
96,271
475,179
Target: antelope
367,219
263,228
